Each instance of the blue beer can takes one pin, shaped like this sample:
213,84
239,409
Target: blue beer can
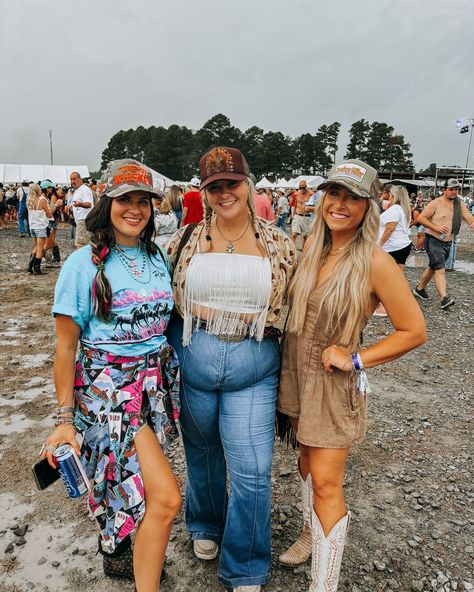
71,471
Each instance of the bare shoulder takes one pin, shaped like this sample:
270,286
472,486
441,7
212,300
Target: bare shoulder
383,266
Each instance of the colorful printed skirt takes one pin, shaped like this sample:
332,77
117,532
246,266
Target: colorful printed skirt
114,397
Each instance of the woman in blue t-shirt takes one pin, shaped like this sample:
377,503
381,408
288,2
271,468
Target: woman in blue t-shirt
118,399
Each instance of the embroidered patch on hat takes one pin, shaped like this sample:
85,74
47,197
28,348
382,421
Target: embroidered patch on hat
219,160
131,173
350,171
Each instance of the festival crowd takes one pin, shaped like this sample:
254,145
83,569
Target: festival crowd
168,320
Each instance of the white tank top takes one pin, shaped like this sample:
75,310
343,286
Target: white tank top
229,286
37,219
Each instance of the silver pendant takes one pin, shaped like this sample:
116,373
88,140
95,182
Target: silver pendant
230,247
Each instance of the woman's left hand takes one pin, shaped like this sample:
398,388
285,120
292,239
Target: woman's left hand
336,356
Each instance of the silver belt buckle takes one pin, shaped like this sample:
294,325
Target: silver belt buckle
239,334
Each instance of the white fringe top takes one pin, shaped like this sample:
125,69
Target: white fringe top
230,286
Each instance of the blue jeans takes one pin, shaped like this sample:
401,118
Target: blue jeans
281,222
228,398
23,220
451,260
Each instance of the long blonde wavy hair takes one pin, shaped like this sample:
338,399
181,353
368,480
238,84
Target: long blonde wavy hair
347,291
401,197
209,213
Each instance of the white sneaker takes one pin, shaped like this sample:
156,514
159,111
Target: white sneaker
205,549
248,589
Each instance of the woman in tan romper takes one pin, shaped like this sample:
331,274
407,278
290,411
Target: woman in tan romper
340,280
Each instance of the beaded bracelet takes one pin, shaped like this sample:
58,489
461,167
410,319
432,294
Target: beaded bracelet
64,421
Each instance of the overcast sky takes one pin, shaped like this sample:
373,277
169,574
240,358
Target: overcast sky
88,69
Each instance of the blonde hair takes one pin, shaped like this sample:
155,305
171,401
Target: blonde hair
165,207
208,214
346,293
401,197
34,193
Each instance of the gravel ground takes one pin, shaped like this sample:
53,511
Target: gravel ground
409,484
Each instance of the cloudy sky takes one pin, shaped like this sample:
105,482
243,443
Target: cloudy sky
87,69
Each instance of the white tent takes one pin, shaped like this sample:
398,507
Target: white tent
16,173
161,181
264,183
284,184
311,180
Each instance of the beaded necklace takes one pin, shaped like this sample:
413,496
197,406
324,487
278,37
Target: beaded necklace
134,266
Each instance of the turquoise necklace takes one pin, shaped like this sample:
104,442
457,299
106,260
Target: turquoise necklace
134,266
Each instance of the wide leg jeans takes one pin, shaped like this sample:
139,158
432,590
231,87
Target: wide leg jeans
227,417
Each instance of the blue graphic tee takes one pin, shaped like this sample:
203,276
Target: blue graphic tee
140,311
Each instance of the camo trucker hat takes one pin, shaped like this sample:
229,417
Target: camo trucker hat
125,175
356,176
223,163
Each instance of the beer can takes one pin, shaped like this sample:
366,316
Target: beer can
71,471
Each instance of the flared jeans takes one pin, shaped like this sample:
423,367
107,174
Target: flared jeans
228,398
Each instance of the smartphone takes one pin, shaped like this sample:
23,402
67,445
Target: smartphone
44,473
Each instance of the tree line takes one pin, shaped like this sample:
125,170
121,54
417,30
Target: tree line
175,151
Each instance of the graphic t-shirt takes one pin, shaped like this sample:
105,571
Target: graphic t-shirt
192,201
140,311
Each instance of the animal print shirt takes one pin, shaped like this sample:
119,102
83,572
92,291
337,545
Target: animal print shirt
142,300
280,251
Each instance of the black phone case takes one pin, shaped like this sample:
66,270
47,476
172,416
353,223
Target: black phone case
44,474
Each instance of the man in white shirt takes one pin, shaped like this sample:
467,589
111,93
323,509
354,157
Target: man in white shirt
83,200
282,210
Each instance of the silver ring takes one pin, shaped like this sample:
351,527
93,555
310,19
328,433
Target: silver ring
46,447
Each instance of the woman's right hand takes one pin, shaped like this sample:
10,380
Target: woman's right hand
62,434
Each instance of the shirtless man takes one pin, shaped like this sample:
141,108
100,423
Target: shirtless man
301,215
437,218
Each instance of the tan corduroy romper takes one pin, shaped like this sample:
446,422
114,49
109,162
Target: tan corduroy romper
331,412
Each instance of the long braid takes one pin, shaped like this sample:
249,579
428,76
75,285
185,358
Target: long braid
101,290
208,219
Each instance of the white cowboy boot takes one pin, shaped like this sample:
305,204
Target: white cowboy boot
300,550
327,554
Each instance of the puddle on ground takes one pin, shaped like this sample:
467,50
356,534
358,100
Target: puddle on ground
15,424
465,266
32,360
45,390
421,260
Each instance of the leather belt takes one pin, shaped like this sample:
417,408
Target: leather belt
304,215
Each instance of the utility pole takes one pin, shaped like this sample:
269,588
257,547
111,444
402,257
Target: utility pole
51,145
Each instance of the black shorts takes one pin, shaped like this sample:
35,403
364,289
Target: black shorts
401,255
437,251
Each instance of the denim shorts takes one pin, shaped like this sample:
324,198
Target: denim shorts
38,233
437,251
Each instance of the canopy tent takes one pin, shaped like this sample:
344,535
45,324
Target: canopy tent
58,174
160,181
284,184
312,181
264,183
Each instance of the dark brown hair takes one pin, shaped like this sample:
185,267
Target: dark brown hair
102,240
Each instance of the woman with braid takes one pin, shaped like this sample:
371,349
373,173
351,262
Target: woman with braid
230,277
118,398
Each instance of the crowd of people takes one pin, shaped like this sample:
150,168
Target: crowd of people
168,321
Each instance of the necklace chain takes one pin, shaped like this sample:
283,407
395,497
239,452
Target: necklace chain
130,264
230,243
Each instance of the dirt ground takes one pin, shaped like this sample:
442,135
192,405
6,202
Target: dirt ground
409,484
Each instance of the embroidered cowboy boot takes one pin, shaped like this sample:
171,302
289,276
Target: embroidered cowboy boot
327,553
300,550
